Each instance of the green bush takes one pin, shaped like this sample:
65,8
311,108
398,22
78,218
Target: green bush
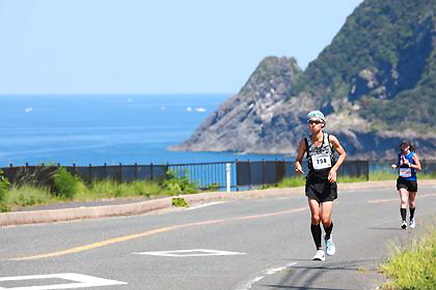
65,184
179,202
212,187
177,185
4,186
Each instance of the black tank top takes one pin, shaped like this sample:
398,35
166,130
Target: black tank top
320,159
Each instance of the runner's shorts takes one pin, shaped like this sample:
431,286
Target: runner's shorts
322,191
410,185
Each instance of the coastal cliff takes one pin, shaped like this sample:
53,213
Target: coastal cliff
376,84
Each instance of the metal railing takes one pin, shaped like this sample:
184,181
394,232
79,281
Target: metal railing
209,176
231,175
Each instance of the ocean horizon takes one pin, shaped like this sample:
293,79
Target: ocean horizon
106,129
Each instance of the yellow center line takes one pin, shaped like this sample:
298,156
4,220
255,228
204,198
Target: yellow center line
150,233
397,199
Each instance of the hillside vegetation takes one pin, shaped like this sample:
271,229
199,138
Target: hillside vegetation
384,61
376,83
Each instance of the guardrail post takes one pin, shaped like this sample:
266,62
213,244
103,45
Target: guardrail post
367,170
237,181
263,171
358,172
228,176
120,168
249,174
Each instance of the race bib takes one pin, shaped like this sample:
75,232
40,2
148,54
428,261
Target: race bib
321,161
405,172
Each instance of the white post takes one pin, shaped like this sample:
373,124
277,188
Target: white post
228,176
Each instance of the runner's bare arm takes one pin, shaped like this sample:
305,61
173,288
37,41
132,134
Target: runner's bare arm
342,155
417,164
396,165
300,154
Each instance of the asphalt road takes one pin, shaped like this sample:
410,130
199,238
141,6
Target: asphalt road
229,245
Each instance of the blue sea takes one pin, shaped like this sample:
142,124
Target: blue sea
111,129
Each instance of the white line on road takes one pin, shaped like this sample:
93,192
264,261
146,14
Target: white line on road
396,199
270,271
157,231
190,253
83,281
204,205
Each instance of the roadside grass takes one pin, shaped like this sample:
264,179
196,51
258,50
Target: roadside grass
69,188
413,268
427,176
301,181
292,182
383,175
350,179
374,176
30,195
108,189
27,195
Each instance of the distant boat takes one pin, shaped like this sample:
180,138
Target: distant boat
201,110
28,110
189,109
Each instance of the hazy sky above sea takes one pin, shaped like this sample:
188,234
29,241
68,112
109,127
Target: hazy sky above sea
155,46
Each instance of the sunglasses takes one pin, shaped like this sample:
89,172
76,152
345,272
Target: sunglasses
316,122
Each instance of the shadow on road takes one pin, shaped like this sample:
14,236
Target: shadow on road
304,288
341,275
386,229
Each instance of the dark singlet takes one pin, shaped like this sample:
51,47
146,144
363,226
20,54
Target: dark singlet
320,159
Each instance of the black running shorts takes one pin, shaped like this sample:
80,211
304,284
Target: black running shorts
410,185
322,191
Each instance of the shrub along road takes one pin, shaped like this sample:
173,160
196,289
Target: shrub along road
262,243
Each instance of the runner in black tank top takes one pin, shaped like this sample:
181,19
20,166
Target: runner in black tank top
321,187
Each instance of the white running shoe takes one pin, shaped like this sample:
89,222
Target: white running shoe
404,225
330,248
412,223
319,256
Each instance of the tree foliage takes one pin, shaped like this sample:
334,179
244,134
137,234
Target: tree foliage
384,60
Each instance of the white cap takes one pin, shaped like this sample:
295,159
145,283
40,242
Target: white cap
316,115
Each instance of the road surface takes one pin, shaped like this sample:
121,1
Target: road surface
223,245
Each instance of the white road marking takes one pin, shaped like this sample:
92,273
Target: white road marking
155,232
396,199
190,253
204,205
265,273
82,281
